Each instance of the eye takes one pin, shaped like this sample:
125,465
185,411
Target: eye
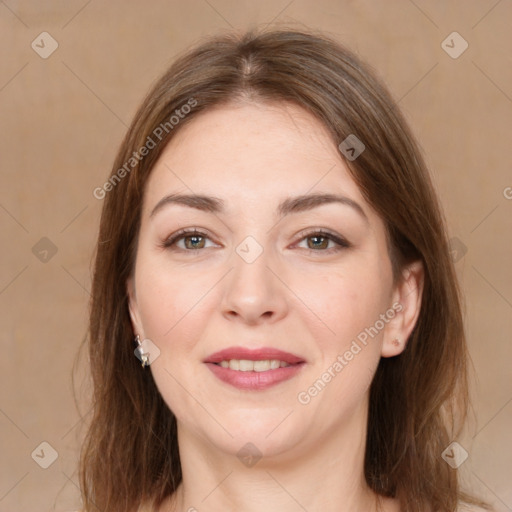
324,241
193,240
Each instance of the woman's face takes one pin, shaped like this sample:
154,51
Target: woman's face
278,275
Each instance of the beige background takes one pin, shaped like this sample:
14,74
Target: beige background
62,119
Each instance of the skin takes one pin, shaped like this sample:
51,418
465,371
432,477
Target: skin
300,295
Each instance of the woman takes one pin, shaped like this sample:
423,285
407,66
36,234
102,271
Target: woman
271,240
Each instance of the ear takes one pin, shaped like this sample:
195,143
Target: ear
133,307
406,300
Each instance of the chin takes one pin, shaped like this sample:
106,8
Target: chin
266,432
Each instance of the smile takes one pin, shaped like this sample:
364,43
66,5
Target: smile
254,369
246,365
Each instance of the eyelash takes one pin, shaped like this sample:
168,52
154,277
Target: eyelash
320,233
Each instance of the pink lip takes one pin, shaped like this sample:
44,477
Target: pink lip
254,380
260,354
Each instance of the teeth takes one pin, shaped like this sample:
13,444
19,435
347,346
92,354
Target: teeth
261,366
245,365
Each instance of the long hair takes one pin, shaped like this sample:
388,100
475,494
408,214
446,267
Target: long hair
418,400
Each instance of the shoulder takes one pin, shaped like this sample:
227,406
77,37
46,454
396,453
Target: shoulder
142,508
464,507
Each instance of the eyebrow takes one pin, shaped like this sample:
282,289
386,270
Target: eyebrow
288,206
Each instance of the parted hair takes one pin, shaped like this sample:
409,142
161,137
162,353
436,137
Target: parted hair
418,399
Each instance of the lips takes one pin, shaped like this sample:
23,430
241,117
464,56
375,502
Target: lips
261,354
253,369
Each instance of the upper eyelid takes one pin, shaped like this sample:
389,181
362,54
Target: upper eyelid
305,233
186,232
201,232
313,231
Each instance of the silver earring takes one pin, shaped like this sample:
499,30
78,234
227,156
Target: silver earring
143,356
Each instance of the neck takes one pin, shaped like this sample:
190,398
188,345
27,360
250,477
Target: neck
326,476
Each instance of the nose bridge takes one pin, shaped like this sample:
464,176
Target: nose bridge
252,291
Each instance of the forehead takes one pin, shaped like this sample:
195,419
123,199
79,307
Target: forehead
251,152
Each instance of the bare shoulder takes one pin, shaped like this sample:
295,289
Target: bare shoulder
142,508
389,504
393,505
464,507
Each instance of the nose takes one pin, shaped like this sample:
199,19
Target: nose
253,291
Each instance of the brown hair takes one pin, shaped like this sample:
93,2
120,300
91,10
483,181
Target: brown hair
130,455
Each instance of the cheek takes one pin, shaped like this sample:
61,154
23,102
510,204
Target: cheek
344,304
348,351
170,300
173,307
